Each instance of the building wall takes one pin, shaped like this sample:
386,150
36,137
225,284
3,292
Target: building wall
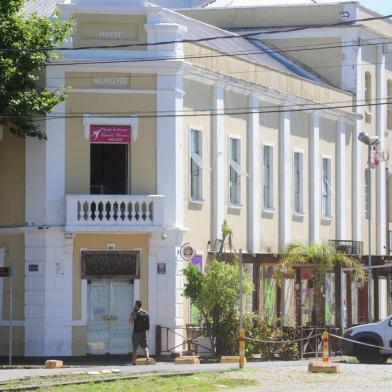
300,122
12,174
251,72
98,242
142,151
13,251
328,149
106,29
348,187
197,215
236,126
269,224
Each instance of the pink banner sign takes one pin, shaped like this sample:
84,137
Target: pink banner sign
106,134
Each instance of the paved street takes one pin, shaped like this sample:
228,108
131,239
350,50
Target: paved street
294,377
272,376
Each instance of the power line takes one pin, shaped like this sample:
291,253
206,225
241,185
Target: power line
168,58
205,39
223,113
229,110
215,55
141,76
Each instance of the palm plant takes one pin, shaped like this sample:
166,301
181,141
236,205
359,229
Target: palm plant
323,258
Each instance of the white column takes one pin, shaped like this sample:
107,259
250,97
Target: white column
254,176
170,167
352,80
45,167
48,266
218,177
165,291
48,299
284,180
341,213
314,178
357,171
380,173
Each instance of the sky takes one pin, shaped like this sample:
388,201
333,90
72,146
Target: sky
382,6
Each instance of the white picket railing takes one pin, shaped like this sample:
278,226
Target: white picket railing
114,210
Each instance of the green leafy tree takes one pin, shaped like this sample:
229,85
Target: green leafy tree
216,294
22,60
323,258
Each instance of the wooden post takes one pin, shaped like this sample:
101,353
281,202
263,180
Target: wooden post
242,348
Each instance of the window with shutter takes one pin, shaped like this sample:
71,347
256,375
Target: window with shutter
196,165
235,171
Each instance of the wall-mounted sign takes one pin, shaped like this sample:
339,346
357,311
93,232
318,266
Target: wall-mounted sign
110,34
106,134
33,268
109,31
161,268
198,261
187,251
111,81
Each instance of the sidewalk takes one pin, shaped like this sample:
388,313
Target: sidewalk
160,367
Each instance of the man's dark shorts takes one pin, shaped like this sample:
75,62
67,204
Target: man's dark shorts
139,339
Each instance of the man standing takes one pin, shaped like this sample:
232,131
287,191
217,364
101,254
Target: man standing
141,324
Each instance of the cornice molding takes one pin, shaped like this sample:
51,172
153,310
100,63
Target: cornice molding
243,87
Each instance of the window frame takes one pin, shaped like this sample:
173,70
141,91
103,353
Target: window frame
270,207
238,170
301,209
200,197
329,186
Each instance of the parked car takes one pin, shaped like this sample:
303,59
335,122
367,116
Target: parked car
377,334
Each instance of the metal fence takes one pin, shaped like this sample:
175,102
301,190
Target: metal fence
191,340
311,343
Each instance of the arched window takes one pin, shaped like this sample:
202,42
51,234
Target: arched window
389,105
368,97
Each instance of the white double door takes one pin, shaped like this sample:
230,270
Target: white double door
109,306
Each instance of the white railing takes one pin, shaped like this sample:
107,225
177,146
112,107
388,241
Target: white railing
119,210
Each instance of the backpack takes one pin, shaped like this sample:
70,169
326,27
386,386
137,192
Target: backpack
143,320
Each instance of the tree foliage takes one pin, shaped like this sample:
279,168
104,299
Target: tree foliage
216,293
22,61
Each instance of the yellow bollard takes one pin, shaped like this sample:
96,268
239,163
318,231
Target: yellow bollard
325,340
242,348
325,366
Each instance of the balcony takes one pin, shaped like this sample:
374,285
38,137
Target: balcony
117,212
351,248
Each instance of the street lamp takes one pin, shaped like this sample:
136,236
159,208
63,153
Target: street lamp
370,141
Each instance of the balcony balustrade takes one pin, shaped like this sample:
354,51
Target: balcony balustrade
114,210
